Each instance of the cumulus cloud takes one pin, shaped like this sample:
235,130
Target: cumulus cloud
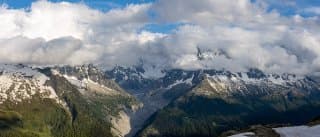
70,33
248,34
232,35
38,51
312,10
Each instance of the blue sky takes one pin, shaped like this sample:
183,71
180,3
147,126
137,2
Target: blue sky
284,6
98,4
292,7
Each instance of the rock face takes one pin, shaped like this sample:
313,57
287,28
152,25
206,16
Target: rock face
122,125
53,102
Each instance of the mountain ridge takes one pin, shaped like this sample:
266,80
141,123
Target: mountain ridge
248,93
85,111
131,104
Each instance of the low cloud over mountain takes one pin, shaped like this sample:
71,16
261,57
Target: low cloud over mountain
233,35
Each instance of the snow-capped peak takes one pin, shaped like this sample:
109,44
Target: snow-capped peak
19,83
254,76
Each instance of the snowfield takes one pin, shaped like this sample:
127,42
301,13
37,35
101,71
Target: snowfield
299,131
18,83
294,131
246,134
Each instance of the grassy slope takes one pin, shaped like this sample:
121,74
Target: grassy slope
35,118
86,117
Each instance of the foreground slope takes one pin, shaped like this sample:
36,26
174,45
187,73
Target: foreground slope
50,103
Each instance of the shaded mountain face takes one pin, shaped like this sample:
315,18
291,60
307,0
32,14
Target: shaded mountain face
224,101
209,102
153,93
47,102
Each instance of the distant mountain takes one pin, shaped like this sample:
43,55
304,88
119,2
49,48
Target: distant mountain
223,100
209,102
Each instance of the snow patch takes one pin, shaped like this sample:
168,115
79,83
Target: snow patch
88,84
299,131
151,72
181,81
243,76
246,134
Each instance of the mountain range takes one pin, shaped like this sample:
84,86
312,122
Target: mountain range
87,101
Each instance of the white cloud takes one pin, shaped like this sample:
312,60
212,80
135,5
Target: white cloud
38,51
312,10
38,35
54,20
249,34
233,35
